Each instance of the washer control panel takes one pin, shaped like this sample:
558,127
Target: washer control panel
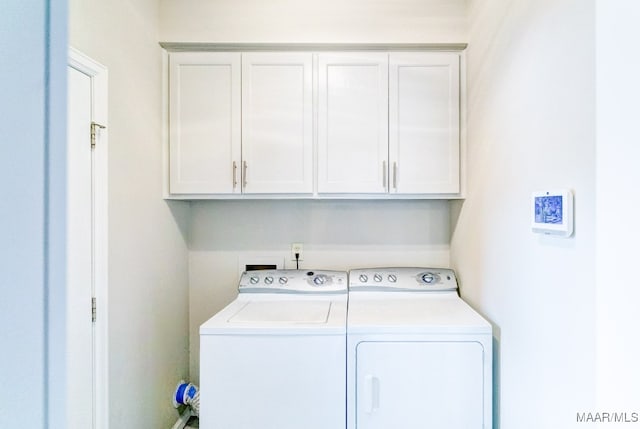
402,279
293,281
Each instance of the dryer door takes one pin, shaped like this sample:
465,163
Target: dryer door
418,385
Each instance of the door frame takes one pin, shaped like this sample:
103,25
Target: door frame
99,84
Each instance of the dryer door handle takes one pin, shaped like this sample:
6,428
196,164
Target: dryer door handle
371,393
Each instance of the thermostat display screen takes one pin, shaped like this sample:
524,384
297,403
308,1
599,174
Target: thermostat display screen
552,212
548,209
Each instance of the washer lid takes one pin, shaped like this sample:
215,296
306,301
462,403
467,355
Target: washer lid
285,312
261,314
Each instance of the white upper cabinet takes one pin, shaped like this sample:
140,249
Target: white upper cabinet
204,123
424,123
261,124
352,123
277,123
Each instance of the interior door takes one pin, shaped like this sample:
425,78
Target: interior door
80,252
419,385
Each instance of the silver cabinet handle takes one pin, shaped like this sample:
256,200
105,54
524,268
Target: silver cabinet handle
244,174
395,175
235,171
384,174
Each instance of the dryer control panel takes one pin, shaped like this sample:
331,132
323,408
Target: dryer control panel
411,279
293,281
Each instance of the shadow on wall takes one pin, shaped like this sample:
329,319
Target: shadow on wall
456,210
269,224
180,210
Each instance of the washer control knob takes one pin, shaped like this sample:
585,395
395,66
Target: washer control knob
392,278
377,277
428,278
254,280
282,280
363,278
319,280
268,280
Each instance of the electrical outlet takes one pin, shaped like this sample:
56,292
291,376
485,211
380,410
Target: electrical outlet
296,248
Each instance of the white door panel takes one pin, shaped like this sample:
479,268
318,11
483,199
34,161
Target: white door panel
352,123
86,233
277,123
204,114
424,137
418,385
80,357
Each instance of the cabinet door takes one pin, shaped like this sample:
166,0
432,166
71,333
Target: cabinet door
418,385
204,118
352,123
277,127
424,136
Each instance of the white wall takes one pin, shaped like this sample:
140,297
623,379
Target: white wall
336,235
148,261
531,114
336,21
32,214
618,210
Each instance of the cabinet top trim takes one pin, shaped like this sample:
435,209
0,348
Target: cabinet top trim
221,47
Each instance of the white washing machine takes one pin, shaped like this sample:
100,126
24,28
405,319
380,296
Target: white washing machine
417,355
275,357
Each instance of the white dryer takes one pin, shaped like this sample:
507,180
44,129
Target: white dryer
417,355
275,357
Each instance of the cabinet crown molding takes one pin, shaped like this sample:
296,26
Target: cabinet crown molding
314,47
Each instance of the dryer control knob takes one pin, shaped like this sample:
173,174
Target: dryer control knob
428,278
268,280
254,280
363,278
377,277
392,278
282,280
319,280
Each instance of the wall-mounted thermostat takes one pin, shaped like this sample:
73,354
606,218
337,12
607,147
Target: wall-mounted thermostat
552,212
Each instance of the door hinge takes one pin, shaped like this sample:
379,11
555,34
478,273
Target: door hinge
93,309
94,126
